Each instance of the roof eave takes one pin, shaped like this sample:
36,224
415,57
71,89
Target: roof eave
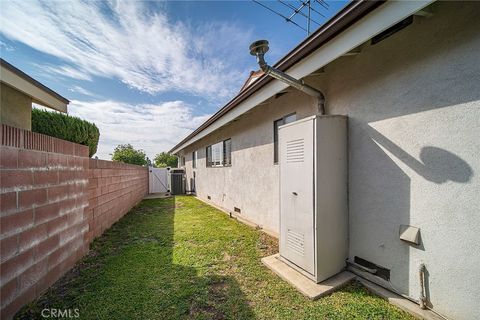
39,93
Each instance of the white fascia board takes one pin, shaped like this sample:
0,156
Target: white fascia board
38,95
369,26
260,96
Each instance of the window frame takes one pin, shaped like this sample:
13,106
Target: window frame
217,159
194,159
208,156
229,157
217,154
277,123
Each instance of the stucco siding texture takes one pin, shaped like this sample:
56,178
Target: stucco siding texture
413,102
414,107
251,183
15,108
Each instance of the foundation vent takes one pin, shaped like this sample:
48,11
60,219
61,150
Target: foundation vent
209,198
380,271
237,210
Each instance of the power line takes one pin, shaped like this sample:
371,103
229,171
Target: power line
304,11
297,10
323,3
308,3
279,14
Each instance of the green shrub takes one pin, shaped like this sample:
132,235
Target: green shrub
164,159
62,126
126,153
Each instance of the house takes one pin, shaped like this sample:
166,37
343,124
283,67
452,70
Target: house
252,77
407,76
19,91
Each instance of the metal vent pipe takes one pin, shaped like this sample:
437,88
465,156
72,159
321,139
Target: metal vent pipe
259,48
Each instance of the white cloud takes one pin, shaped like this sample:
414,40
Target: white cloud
151,127
83,91
6,47
127,41
66,71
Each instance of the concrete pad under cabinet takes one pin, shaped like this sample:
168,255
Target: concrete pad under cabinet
314,291
303,284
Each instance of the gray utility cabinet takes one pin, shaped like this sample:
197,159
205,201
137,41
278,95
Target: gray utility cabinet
313,195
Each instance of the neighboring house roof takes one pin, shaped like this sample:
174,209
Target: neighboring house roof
38,92
330,41
254,75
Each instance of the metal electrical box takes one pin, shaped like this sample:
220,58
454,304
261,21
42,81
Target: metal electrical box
313,195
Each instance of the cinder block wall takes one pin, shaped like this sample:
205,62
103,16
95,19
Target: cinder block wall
113,189
54,202
43,196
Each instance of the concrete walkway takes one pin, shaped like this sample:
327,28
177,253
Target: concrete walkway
157,195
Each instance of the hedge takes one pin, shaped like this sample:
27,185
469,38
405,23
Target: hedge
66,127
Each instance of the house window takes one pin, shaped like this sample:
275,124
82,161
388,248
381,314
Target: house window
219,154
208,153
277,123
182,161
194,159
227,152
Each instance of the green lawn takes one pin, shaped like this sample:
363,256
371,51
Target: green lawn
179,258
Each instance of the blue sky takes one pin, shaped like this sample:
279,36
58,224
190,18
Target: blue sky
147,73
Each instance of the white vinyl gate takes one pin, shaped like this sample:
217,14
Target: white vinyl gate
158,180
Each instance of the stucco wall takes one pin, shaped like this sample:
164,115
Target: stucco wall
251,183
414,107
15,108
413,102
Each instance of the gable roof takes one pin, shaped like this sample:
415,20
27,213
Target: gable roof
39,93
254,75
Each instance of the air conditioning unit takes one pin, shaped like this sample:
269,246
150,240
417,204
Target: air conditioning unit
176,180
313,195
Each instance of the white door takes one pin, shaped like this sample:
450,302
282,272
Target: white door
297,221
158,180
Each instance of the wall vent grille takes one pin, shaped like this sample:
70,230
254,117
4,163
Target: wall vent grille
295,150
296,242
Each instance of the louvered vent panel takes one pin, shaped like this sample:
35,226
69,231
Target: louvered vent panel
295,242
295,150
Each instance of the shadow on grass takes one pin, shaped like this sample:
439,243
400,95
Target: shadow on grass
130,274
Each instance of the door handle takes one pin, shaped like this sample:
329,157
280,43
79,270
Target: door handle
294,193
